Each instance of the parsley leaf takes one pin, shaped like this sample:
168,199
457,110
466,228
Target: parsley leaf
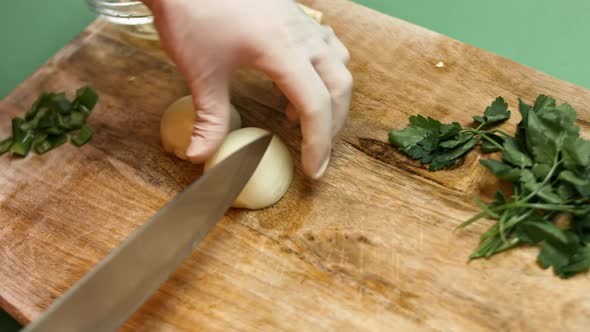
449,158
457,140
497,112
540,170
513,154
578,262
407,138
542,103
501,170
576,152
534,231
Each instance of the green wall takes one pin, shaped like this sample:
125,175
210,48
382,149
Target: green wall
549,35
552,36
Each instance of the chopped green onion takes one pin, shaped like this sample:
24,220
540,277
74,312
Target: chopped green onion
51,143
82,137
22,148
37,105
49,120
75,120
54,130
61,122
85,111
59,102
16,123
21,139
39,138
86,97
5,145
32,123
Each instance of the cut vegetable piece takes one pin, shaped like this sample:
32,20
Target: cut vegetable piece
36,107
33,123
21,139
59,103
272,177
16,126
75,120
54,130
60,121
84,111
49,120
39,138
86,97
22,147
82,137
51,143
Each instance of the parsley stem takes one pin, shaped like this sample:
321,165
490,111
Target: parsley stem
544,206
494,240
472,220
519,204
494,246
507,245
502,226
483,134
508,225
487,138
545,180
550,207
484,249
514,221
486,209
502,132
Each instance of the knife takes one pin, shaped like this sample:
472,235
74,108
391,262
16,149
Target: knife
109,294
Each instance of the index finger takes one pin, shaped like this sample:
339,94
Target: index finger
306,91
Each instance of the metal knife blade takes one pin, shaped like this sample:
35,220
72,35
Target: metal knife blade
109,294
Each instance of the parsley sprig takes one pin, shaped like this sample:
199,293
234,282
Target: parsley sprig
443,145
548,165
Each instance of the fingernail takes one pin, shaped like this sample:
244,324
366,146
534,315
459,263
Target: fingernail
194,151
315,159
322,168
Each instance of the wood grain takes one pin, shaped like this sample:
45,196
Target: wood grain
368,247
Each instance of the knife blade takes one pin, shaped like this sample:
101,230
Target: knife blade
109,294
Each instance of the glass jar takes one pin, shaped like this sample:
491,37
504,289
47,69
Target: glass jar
131,16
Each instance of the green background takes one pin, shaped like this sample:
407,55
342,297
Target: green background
549,35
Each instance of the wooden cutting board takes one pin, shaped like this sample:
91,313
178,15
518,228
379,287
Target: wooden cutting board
368,247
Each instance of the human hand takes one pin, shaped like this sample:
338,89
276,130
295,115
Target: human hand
209,39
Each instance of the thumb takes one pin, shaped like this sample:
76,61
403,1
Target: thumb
212,118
